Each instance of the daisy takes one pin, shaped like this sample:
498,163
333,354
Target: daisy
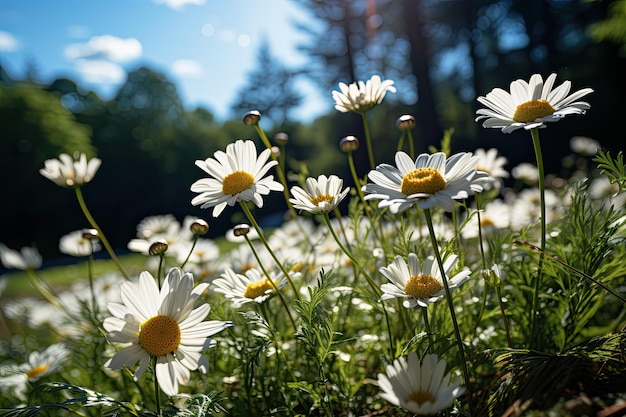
360,97
39,364
75,244
247,287
494,216
421,389
69,172
432,180
492,164
163,325
419,286
26,259
237,175
530,105
322,195
583,145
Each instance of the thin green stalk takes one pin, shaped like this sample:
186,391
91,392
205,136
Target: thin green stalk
444,279
542,201
94,306
103,239
504,319
368,141
349,255
43,289
193,245
279,172
157,394
411,144
271,281
160,269
401,141
431,346
256,226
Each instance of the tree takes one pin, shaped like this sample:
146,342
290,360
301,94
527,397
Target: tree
269,89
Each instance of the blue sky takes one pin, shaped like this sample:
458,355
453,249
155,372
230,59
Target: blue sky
206,47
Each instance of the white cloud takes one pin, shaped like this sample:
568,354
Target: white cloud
179,4
100,72
105,47
8,42
186,68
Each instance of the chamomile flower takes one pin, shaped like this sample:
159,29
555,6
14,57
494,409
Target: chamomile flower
236,175
75,244
322,195
432,180
70,172
163,325
361,96
531,104
419,388
27,258
490,162
250,286
419,285
39,364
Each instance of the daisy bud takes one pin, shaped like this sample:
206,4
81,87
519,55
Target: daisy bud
158,248
405,122
90,234
349,144
199,227
275,151
281,138
252,118
241,230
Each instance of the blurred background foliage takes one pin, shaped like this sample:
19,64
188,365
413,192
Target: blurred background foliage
441,54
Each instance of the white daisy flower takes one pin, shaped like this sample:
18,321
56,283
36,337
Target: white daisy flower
247,287
69,172
27,258
496,215
361,96
237,175
75,244
163,325
17,379
432,180
530,104
419,285
160,225
583,145
421,389
322,195
526,172
490,162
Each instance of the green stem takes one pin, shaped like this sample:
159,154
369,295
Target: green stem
542,201
256,226
444,279
271,281
349,255
431,346
368,141
103,239
401,141
504,319
157,393
94,306
279,172
193,245
411,144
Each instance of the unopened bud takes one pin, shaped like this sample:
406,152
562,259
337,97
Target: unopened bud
158,248
252,118
90,234
275,151
405,122
241,230
281,138
349,144
199,227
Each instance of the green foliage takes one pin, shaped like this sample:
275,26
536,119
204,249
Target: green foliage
613,168
613,28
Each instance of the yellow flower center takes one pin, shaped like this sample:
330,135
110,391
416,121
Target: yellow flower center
36,371
422,286
532,110
237,182
486,222
422,180
320,199
420,397
159,335
257,288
